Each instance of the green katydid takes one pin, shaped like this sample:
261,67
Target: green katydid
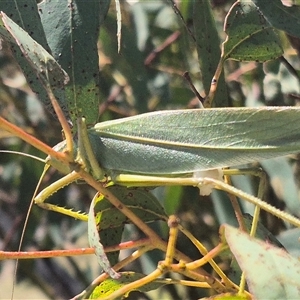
168,147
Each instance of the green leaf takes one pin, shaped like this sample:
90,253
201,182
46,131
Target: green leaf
139,200
109,286
250,37
208,48
27,17
111,237
182,141
207,39
172,198
45,66
280,16
264,264
72,31
94,241
110,221
227,296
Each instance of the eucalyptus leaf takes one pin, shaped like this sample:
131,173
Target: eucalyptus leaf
26,15
111,237
24,30
94,241
280,16
208,48
207,39
249,35
47,69
264,264
72,31
110,221
139,200
107,287
262,233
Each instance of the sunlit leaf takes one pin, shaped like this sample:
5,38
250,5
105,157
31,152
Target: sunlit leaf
228,296
108,286
94,241
264,264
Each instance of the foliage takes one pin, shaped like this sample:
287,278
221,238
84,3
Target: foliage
251,62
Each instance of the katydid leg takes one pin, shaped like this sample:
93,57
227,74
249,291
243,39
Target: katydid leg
54,187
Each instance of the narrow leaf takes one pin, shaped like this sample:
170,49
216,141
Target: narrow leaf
208,48
47,69
94,241
207,39
27,17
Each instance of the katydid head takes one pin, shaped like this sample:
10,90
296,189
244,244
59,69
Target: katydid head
83,154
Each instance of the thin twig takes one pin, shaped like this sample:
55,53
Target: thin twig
178,13
186,75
